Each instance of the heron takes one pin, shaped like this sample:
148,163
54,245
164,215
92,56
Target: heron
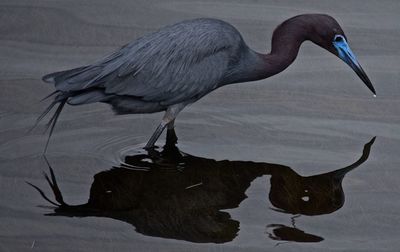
177,65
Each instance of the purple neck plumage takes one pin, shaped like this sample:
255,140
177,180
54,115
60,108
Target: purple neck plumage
286,41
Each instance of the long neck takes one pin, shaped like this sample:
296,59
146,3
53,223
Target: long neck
286,41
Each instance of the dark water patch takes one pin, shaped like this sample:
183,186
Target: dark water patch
175,195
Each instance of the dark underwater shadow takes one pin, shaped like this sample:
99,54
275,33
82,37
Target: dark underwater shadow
175,195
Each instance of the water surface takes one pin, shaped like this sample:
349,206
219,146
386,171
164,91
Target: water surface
282,163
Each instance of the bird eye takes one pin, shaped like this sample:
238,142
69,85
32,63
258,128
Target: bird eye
338,38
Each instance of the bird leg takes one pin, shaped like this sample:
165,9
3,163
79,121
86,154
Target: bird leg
172,139
169,117
156,135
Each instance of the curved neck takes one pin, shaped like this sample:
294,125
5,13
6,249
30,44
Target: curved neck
286,41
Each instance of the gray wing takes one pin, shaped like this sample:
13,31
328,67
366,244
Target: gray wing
178,63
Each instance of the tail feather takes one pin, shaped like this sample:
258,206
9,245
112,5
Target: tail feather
53,120
70,83
49,95
75,80
57,76
60,99
45,112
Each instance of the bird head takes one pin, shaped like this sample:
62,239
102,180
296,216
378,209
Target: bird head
327,33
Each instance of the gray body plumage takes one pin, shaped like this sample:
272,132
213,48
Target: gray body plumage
176,65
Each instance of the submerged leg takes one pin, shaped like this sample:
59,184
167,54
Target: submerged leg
172,139
169,117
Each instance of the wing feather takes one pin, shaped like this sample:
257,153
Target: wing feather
177,63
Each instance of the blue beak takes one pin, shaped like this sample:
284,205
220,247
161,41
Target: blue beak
348,56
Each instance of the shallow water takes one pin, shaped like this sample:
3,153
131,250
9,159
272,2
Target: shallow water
257,166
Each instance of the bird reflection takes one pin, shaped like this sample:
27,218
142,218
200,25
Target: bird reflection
175,195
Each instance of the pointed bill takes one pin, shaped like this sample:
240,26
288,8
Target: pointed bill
348,56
